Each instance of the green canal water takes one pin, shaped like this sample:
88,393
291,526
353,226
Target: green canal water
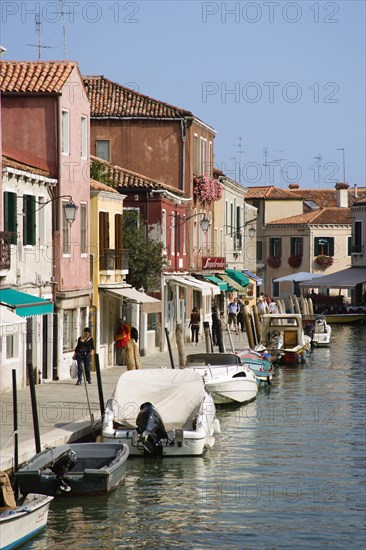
287,471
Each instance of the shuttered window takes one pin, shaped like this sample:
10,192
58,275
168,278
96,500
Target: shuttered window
324,246
275,246
103,239
29,220
296,246
10,215
118,239
83,228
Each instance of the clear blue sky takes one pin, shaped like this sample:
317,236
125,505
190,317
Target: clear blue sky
285,77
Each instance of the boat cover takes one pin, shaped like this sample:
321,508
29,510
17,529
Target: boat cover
176,394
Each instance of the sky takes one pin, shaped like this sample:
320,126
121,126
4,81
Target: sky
282,83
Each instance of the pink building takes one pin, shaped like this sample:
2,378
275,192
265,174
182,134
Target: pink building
45,124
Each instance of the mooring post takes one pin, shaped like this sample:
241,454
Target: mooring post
32,388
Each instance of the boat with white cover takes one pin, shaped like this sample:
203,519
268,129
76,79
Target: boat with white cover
161,412
225,376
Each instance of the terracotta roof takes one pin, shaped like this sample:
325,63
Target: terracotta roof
34,76
109,99
324,216
12,163
328,197
122,178
269,193
98,186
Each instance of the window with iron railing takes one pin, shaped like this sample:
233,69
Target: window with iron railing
5,240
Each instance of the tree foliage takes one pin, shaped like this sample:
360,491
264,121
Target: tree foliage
99,172
146,261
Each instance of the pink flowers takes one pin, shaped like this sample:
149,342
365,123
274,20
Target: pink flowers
274,261
207,189
324,261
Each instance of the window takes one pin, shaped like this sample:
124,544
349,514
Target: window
29,220
84,137
65,132
179,228
163,228
66,245
118,239
67,330
102,149
259,251
275,246
184,229
210,159
10,215
195,229
41,222
357,249
11,346
83,228
324,246
296,246
103,240
172,235
275,289
195,155
349,246
203,156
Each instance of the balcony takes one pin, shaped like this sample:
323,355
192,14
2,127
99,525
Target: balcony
110,261
5,240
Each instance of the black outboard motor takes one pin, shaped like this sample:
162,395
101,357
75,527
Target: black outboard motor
151,429
61,466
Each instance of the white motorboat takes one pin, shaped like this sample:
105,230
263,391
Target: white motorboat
318,329
161,412
225,376
20,523
284,338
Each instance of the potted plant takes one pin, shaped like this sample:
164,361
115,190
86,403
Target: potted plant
295,260
323,261
274,261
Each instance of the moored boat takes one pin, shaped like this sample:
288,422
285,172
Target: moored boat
225,376
75,469
260,364
18,524
161,412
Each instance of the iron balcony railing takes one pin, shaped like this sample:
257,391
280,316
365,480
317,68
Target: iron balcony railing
5,241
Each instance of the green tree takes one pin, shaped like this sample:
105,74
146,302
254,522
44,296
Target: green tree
99,172
146,261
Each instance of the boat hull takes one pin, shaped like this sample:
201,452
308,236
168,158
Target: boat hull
346,318
22,525
235,390
99,470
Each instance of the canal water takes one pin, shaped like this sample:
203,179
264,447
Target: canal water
287,471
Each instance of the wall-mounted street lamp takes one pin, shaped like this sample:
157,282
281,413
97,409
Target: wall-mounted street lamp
70,208
236,230
204,222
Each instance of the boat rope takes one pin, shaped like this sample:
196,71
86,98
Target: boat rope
11,437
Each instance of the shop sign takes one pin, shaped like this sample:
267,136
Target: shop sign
213,263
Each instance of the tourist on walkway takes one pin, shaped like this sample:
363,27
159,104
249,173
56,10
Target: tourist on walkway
83,352
194,323
233,310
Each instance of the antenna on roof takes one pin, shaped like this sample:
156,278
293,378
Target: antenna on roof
240,146
265,164
38,31
317,167
64,27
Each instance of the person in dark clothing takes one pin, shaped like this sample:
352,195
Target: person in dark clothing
194,323
83,352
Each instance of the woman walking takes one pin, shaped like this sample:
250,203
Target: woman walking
194,323
83,352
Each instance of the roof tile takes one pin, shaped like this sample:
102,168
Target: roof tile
324,216
34,76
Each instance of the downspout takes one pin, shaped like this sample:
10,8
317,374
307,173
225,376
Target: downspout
55,222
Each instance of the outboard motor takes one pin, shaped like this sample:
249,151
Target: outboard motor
151,429
61,466
309,330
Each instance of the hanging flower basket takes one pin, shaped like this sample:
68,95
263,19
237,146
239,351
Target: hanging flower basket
207,189
274,261
323,261
295,261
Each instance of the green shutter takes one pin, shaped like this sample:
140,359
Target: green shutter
349,246
316,246
331,246
10,215
29,220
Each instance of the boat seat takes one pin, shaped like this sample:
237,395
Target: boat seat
290,339
7,499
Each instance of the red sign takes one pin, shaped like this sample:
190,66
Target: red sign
213,263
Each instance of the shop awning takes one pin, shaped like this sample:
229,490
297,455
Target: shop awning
216,281
207,289
253,276
9,322
148,303
238,276
347,278
23,304
297,277
232,284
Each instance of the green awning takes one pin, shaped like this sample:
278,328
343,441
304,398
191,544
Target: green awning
238,276
25,305
232,284
219,282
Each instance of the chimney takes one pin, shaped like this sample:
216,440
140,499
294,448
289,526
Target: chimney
342,195
293,185
356,196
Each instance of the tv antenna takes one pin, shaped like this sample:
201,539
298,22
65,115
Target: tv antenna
240,152
39,45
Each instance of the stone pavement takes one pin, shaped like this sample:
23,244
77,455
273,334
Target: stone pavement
63,410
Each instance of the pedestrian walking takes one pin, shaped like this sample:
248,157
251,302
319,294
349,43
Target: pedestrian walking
83,352
194,323
233,310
